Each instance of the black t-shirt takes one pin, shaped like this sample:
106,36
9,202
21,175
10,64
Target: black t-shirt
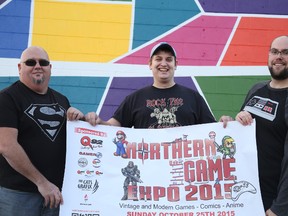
151,107
41,123
267,106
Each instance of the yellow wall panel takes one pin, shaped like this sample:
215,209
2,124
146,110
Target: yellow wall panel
86,32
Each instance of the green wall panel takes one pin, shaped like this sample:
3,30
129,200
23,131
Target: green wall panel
226,94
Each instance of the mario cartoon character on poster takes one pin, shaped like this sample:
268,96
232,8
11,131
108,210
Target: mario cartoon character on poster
120,142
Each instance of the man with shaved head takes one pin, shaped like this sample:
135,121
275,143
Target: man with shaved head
32,140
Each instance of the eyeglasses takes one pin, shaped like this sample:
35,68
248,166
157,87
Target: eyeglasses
276,52
33,62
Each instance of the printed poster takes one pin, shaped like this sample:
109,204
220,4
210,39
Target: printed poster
199,170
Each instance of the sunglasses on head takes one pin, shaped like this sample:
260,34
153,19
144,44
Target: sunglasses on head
33,62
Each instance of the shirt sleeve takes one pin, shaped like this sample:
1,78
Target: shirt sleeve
8,111
206,115
123,114
280,204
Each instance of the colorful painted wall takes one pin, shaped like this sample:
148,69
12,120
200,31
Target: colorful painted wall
99,49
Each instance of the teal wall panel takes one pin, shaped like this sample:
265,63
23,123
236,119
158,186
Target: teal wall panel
84,93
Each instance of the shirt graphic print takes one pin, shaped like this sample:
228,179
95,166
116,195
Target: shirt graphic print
164,112
49,117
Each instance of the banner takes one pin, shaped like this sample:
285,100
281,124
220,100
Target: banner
199,170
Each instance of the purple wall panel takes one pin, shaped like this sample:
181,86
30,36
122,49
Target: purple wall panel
278,7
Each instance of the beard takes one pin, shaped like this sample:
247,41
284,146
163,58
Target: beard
38,81
282,75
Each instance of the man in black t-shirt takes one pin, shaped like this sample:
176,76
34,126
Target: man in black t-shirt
267,103
32,140
164,103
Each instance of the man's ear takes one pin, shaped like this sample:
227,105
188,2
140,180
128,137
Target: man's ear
150,63
176,64
19,68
